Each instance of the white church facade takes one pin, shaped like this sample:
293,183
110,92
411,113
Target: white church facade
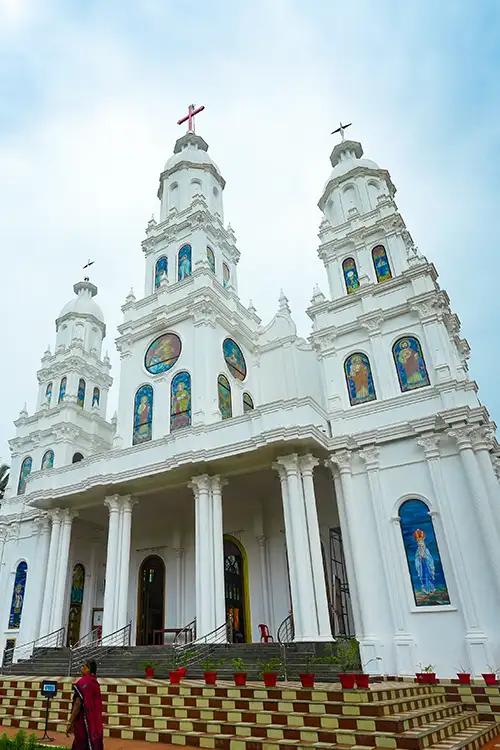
349,479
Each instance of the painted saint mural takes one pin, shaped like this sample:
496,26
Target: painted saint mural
247,403
143,415
180,401
381,263
226,275
96,396
234,359
48,393
48,460
161,270
162,353
410,363
350,275
422,554
16,608
224,394
184,262
80,396
359,379
24,474
75,604
62,390
211,259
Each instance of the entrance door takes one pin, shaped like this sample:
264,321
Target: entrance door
151,599
75,604
234,580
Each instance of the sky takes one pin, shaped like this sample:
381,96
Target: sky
90,93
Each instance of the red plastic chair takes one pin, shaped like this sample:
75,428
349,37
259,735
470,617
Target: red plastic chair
265,635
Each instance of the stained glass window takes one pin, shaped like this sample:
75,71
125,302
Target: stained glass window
48,393
162,353
161,270
24,474
211,259
359,379
410,364
180,401
184,262
96,396
381,263
16,607
350,275
48,460
224,392
226,275
62,390
80,396
247,403
234,359
143,415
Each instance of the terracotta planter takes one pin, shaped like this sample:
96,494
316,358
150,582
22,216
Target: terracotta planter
490,678
347,680
418,677
270,679
182,671
362,680
240,679
210,678
149,671
307,679
428,678
463,678
175,677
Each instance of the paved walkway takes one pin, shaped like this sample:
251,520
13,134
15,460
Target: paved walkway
110,743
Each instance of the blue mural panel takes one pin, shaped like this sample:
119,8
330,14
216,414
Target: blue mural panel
48,460
422,554
62,390
161,270
180,401
184,262
381,264
350,275
16,607
162,354
359,379
143,415
24,474
234,359
224,395
410,364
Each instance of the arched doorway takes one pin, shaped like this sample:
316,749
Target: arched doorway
236,589
75,604
151,599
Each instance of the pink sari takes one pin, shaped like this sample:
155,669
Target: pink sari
88,724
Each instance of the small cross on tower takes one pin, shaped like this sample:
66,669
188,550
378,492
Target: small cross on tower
189,118
342,129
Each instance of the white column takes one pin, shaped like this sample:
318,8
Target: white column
48,595
179,587
483,439
126,505
264,584
111,565
42,524
218,550
61,576
204,567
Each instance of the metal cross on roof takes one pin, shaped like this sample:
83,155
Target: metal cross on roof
341,129
189,118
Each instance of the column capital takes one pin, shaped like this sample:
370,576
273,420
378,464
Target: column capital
68,516
41,522
178,551
463,436
496,465
113,503
261,540
307,462
217,482
200,483
128,503
370,455
429,441
3,533
290,464
56,516
483,437
341,460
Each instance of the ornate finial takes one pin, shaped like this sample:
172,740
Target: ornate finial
251,307
230,231
342,130
189,118
24,411
317,297
130,296
283,303
151,222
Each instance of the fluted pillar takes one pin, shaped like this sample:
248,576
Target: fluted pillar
179,587
264,580
482,443
125,530
42,524
61,575
111,585
48,595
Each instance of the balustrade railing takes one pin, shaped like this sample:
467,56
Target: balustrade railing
201,648
24,651
79,654
186,635
286,631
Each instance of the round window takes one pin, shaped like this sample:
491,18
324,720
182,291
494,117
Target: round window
162,353
234,359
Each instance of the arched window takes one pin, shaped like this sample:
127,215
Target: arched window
350,275
358,375
226,275
180,401
80,396
77,457
247,403
24,474
184,262
161,270
173,201
62,389
381,264
410,363
224,393
48,460
75,604
16,607
234,359
96,396
211,259
48,393
143,415
422,555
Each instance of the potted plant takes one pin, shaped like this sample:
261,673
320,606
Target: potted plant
210,666
426,676
463,676
346,658
239,675
490,677
269,670
363,679
149,668
307,677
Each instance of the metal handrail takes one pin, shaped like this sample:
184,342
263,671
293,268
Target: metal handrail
286,631
25,650
80,654
188,654
186,635
88,639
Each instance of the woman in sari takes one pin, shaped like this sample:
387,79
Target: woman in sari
86,715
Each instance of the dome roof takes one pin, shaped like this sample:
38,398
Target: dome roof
83,304
348,155
191,148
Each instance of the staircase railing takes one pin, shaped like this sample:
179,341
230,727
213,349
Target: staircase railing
286,631
24,651
93,636
186,635
196,651
98,647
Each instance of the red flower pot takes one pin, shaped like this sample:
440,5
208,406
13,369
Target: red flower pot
240,679
362,680
175,677
490,678
347,680
463,678
418,677
149,671
307,680
270,679
182,671
428,678
210,678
